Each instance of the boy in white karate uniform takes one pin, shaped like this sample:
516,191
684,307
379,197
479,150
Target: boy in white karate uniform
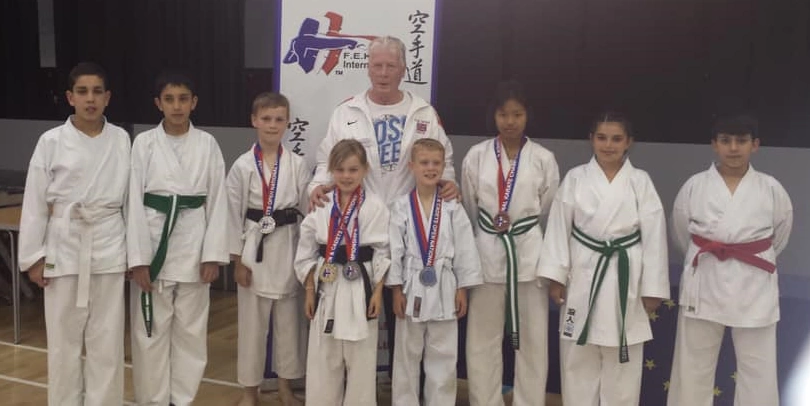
605,255
508,184
732,222
72,244
342,258
433,262
177,240
267,189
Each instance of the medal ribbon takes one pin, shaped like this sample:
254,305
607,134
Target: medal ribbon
339,222
506,186
352,243
427,241
268,190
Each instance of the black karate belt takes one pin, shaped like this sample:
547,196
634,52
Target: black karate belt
282,217
364,254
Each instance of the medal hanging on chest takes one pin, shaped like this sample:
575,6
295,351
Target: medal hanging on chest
338,227
506,186
427,239
267,223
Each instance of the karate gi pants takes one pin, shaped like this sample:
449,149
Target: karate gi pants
289,336
485,329
168,367
437,341
99,328
697,346
593,376
330,360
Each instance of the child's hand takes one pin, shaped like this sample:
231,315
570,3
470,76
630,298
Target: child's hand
461,302
309,306
557,292
35,273
651,303
209,272
243,275
399,301
374,305
140,275
318,196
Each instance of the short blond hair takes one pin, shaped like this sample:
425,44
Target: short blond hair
268,100
427,144
345,149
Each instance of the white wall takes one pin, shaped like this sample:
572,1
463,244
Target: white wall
669,166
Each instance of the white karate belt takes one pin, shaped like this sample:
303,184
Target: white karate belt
88,216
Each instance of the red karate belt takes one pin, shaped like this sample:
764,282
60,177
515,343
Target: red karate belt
745,252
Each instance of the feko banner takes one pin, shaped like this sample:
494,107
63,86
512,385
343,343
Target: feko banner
321,57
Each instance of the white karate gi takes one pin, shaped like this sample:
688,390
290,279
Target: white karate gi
716,294
605,211
274,289
535,184
72,216
433,331
168,366
351,347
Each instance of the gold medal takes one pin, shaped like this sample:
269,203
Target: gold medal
328,272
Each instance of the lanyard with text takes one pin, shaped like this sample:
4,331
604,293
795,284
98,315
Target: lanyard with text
427,240
505,186
267,224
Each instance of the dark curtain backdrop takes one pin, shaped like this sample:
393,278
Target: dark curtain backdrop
135,40
672,64
27,90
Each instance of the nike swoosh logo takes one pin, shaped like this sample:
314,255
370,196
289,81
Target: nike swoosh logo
351,122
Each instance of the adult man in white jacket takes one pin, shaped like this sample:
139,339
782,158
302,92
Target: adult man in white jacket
386,120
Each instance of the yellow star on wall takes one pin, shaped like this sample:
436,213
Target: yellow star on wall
666,386
734,376
669,303
653,316
649,364
717,391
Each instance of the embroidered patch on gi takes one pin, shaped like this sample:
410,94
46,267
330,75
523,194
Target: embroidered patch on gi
417,306
690,309
329,325
49,266
568,327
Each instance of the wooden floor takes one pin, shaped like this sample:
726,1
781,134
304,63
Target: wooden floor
23,367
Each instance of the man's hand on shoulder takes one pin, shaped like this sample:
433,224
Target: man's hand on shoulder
318,196
449,190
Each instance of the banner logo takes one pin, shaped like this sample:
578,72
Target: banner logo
305,48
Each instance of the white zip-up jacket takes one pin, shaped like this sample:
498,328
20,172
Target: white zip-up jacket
352,119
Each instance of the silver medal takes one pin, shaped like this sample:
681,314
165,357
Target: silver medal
267,224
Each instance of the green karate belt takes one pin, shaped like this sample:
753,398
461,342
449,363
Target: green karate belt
607,249
517,228
170,206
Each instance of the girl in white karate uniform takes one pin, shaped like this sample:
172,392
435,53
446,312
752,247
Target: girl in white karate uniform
605,255
342,258
508,184
266,191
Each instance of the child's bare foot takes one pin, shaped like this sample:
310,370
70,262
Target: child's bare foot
250,397
286,394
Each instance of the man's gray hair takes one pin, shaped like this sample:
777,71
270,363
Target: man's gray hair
393,43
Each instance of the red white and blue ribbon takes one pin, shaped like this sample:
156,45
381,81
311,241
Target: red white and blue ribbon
339,223
427,240
506,186
268,190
